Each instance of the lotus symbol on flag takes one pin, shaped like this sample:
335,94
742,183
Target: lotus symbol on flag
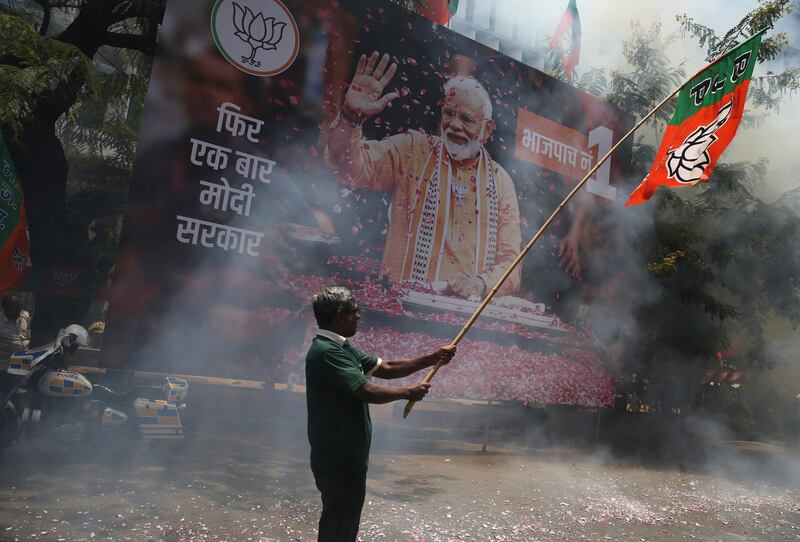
19,259
687,163
256,31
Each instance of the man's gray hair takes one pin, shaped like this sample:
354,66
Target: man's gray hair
470,84
329,301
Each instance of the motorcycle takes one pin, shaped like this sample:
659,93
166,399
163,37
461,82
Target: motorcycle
43,395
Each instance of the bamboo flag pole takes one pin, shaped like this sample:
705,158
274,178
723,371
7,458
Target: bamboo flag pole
561,205
539,233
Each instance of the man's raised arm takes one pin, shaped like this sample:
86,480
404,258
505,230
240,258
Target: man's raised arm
399,368
367,164
380,395
375,393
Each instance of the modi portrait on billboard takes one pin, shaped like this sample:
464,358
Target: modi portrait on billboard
288,145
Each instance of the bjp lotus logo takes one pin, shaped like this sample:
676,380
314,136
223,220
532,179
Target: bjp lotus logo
687,164
256,31
259,37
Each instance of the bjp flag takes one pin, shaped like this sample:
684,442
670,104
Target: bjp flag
439,11
14,242
709,109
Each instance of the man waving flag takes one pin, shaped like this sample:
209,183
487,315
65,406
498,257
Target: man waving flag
707,115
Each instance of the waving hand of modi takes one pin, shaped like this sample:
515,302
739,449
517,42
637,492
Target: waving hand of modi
363,98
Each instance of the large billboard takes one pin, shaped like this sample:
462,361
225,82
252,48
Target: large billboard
290,145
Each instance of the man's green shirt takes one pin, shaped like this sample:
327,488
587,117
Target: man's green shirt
339,425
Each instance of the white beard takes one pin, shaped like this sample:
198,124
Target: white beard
462,151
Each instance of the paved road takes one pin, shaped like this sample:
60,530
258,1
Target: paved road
423,486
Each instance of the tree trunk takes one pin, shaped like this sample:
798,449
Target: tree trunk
42,166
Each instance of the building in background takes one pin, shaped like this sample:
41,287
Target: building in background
499,24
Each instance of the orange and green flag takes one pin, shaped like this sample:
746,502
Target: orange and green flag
706,117
439,11
566,40
14,244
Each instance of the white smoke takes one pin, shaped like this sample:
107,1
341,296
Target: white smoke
604,27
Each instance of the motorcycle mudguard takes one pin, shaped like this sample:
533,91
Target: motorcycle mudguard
113,418
158,419
22,362
175,389
64,384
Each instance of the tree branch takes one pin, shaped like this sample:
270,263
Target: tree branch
45,16
143,9
145,44
89,29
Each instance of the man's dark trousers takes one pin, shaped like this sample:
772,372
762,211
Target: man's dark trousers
342,501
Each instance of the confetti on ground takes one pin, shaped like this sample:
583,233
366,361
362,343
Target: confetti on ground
256,487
